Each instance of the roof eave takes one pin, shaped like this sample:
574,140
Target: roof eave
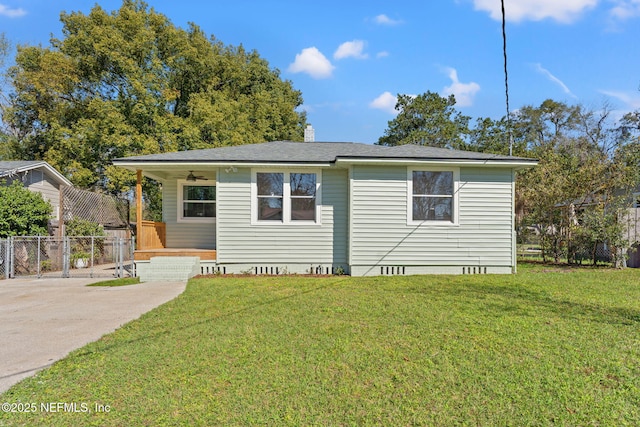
502,163
61,179
150,164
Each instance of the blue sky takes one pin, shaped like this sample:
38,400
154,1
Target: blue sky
350,58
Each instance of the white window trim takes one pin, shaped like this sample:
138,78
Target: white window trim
181,184
456,201
286,197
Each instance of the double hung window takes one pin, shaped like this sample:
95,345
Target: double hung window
197,202
303,196
433,196
286,197
270,196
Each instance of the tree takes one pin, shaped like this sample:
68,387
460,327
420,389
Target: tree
22,212
493,136
577,196
4,137
130,82
4,48
427,119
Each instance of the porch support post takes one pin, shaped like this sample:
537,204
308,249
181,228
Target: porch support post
139,209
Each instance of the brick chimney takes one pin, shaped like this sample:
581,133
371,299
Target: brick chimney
309,134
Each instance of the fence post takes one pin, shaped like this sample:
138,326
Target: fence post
92,254
7,259
65,257
11,258
120,269
116,250
38,274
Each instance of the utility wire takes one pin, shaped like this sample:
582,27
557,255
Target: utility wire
506,78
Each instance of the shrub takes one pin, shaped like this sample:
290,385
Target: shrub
22,212
83,227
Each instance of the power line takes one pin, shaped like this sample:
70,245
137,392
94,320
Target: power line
506,77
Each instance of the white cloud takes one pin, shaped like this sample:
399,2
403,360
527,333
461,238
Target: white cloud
11,13
631,101
385,102
385,20
312,62
352,49
382,54
564,11
625,9
554,79
464,92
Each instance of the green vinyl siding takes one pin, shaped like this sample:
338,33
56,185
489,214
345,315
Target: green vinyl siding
184,234
239,241
381,235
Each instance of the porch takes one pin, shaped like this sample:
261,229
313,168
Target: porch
152,240
151,236
147,254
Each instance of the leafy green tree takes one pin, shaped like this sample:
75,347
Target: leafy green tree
493,136
427,119
577,196
5,152
4,49
22,212
130,82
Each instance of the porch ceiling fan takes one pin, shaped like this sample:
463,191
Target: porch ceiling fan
193,178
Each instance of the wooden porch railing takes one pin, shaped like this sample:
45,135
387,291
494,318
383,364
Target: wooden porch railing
152,235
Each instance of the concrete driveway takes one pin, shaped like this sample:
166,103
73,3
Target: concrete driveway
42,320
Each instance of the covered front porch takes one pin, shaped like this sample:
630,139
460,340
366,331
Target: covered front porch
147,254
153,257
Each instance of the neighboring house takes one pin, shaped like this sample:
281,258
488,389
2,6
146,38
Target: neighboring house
38,176
633,231
323,207
630,222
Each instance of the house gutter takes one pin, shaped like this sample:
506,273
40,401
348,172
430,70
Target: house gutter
57,175
182,165
517,164
339,161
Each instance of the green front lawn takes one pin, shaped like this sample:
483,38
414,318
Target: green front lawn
546,346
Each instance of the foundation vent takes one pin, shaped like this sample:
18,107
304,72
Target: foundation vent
212,269
324,270
474,270
392,270
269,270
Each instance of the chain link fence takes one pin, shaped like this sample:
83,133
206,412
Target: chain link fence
4,249
45,256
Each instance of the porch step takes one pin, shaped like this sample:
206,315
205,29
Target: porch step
169,269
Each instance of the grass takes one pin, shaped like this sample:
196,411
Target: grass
124,281
550,345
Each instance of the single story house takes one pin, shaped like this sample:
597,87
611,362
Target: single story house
38,176
326,207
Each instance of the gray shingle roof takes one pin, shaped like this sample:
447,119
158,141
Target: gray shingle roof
315,152
11,167
8,166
